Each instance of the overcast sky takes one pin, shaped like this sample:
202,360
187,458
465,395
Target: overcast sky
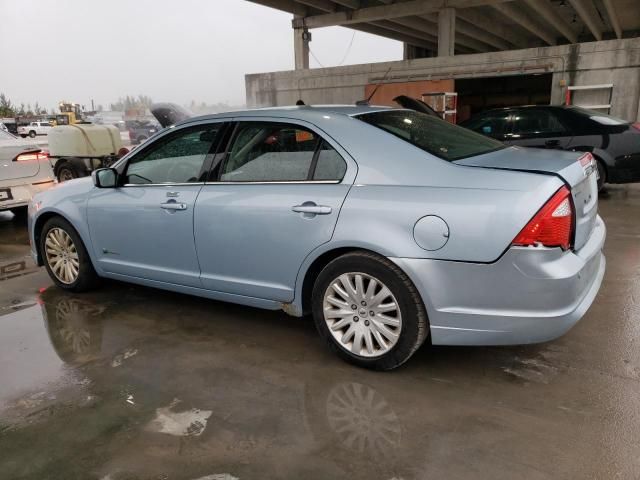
171,50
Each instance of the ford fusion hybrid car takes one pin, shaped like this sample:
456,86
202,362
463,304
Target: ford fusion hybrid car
389,226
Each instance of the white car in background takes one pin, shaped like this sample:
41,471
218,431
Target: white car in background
24,171
34,128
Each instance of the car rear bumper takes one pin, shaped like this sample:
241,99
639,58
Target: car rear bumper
22,194
530,295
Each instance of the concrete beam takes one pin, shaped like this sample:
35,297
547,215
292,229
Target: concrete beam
498,28
322,5
388,12
587,17
477,33
546,11
517,15
430,27
290,6
377,29
446,32
613,17
352,4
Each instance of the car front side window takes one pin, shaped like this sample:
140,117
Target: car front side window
492,125
178,158
536,123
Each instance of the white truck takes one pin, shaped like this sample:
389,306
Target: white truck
34,128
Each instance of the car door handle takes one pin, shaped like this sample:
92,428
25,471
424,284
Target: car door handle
552,143
312,208
173,206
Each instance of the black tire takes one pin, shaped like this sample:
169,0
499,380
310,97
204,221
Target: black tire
23,135
415,325
19,213
67,172
87,278
602,174
32,134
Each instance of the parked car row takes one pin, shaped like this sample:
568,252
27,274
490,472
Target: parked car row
614,143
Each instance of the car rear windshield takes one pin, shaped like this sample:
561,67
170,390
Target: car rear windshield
431,134
600,117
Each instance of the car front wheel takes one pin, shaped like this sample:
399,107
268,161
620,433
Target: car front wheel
32,134
368,311
65,256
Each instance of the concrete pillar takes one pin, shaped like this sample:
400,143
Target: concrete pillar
446,32
301,39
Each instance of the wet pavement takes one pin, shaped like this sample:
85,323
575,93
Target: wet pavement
133,383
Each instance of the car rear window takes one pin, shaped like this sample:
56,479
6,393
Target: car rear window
600,117
431,134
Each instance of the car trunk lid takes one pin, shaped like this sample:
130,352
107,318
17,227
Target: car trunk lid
577,170
12,169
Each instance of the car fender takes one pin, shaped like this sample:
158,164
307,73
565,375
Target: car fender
68,200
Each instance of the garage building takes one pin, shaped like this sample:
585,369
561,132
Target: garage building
490,53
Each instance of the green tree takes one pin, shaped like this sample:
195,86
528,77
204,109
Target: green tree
6,107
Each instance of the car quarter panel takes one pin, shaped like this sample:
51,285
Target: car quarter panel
536,293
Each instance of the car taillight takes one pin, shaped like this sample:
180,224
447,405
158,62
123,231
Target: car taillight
42,155
552,226
636,126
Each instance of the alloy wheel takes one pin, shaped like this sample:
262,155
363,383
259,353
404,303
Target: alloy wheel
362,314
62,255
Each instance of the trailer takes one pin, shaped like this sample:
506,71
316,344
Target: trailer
76,150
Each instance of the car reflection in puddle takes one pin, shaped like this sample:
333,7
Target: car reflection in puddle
165,370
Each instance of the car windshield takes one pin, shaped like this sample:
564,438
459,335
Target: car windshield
431,134
601,118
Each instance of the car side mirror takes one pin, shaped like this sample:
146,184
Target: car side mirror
105,177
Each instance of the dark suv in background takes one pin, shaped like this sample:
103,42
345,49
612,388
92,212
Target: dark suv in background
614,143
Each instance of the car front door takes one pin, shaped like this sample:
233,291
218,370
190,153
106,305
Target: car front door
538,127
493,124
274,198
144,227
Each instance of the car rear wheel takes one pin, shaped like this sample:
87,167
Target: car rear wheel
368,311
32,134
65,256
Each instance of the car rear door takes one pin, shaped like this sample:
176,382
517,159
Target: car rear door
538,127
144,227
273,199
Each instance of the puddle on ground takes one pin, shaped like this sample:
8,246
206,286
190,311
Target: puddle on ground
30,366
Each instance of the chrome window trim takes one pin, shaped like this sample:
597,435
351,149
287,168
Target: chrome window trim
276,182
161,184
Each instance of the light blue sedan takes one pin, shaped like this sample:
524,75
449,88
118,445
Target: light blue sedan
389,226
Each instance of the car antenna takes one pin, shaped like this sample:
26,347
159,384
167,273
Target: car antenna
366,101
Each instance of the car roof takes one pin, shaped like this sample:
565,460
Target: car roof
302,112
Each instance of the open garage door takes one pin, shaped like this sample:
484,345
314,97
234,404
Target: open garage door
478,94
